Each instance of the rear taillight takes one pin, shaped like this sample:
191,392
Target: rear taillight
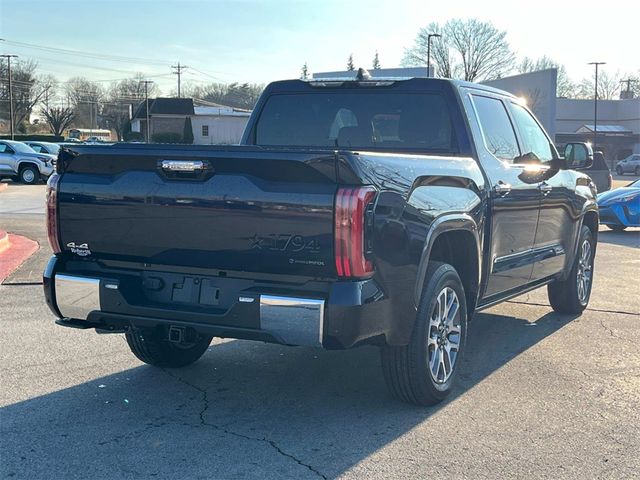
350,226
52,212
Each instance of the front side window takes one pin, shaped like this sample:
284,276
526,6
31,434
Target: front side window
500,138
37,148
367,120
535,144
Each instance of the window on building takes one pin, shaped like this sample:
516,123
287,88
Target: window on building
499,136
205,130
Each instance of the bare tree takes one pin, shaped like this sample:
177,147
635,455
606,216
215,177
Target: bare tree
468,49
85,97
121,100
565,87
237,95
28,90
58,118
608,86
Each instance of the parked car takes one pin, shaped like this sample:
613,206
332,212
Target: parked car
631,164
592,163
599,172
354,212
20,161
620,208
44,147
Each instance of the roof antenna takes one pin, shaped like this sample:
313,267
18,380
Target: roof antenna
363,74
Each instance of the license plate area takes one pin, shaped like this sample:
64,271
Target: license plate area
187,290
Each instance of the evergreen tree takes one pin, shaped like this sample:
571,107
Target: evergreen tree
350,66
376,62
187,134
304,72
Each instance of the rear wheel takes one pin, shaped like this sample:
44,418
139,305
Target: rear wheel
423,372
572,295
619,170
29,175
637,170
151,347
617,228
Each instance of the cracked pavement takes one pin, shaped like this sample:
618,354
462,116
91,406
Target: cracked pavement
540,395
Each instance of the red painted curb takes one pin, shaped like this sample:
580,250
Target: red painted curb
20,248
2,186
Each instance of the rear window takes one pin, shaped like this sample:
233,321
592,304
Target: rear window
397,121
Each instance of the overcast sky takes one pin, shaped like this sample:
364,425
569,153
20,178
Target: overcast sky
260,41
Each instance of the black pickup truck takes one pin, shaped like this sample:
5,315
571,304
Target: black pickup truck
355,212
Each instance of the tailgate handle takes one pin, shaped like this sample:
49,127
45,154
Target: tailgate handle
183,165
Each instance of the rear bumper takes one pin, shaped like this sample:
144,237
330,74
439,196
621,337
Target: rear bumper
341,316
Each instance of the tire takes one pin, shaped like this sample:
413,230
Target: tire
619,171
572,295
617,228
406,369
150,347
29,175
637,171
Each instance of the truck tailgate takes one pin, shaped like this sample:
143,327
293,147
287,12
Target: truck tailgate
246,209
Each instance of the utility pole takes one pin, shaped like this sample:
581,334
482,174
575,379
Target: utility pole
146,101
9,57
429,37
177,70
628,81
595,108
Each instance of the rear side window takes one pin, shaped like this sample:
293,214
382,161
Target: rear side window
500,138
398,121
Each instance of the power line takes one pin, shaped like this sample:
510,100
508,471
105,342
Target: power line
81,53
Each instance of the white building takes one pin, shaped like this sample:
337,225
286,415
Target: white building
214,125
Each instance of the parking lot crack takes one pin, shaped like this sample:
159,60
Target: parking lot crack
227,431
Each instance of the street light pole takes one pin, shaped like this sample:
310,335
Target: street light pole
429,36
146,101
595,107
9,57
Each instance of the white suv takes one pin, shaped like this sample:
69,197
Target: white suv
20,161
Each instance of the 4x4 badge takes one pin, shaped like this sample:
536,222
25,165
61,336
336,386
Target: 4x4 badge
80,249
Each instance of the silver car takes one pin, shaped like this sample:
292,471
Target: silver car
44,147
631,164
20,161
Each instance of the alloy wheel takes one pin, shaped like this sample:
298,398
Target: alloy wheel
28,176
585,268
445,336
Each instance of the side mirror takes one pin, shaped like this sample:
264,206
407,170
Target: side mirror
578,155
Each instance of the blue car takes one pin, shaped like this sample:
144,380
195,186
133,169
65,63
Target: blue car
620,208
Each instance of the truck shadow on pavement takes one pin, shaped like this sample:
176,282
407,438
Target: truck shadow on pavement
245,410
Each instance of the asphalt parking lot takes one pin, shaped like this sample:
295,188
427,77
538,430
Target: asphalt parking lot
540,395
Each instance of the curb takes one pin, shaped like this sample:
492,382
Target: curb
14,250
4,240
3,186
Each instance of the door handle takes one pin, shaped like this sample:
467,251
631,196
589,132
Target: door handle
501,188
545,188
